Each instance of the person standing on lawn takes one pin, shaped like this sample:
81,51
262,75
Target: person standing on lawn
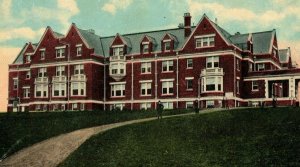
160,108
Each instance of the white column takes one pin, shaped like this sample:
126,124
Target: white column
266,88
291,87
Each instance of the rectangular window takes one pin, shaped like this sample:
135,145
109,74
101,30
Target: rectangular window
146,68
212,83
42,72
167,46
15,80
28,75
42,54
60,70
118,106
205,41
145,106
250,67
78,69
28,59
78,88
41,90
210,104
238,64
78,50
212,62
118,51
189,63
167,88
254,85
238,86
82,107
145,48
118,90
260,67
189,84
26,92
60,53
167,66
189,104
168,105
146,89
59,90
74,106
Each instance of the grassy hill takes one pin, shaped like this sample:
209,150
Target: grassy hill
247,137
19,130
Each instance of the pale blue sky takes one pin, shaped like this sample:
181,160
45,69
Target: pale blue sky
109,17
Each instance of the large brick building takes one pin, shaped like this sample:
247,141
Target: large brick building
83,71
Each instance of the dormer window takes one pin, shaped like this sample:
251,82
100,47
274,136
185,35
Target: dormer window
60,52
118,51
205,41
167,46
28,59
42,53
145,47
79,49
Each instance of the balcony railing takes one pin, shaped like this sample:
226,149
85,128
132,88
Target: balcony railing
59,79
41,80
212,71
117,58
78,77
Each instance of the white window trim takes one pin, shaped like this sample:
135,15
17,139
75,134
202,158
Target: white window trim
61,51
203,84
214,60
146,93
146,65
15,79
42,91
187,63
168,88
28,73
169,42
112,87
166,80
79,88
145,81
60,89
168,66
145,106
79,67
204,37
186,81
25,88
252,85
60,47
189,102
168,105
119,67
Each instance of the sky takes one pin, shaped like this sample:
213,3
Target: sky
25,21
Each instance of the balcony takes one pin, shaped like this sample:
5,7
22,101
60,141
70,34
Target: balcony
117,58
41,80
59,79
212,72
78,77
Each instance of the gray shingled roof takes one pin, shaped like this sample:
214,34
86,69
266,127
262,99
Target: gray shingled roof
92,40
136,38
262,42
283,55
240,40
58,35
19,59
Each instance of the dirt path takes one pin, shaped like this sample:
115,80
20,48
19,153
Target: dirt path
55,150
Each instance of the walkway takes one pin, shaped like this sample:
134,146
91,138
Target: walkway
53,151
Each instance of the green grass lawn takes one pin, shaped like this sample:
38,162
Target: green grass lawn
19,130
245,137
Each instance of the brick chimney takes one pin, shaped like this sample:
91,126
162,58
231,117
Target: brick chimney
187,24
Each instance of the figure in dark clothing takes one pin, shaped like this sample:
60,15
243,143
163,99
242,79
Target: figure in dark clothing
160,108
196,108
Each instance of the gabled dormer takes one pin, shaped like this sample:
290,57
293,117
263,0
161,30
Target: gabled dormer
45,49
274,46
120,46
118,49
147,44
28,53
168,43
206,35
